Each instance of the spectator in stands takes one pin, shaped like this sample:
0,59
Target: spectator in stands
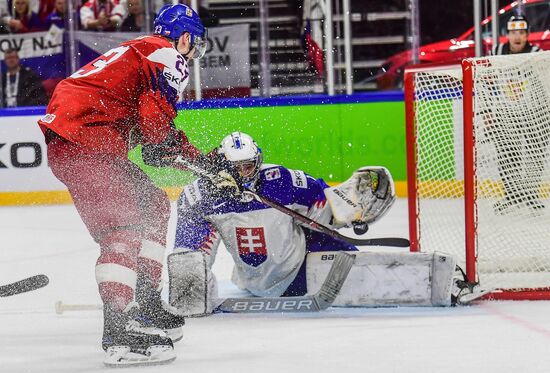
102,15
57,17
518,32
5,16
135,22
518,148
23,18
21,86
45,8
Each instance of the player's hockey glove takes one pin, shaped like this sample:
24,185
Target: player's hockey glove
224,175
164,154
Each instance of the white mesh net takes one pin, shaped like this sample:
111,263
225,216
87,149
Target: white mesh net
512,134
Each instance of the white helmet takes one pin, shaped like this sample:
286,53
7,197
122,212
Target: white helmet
240,149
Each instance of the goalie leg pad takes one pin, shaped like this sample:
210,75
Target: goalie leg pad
192,285
388,279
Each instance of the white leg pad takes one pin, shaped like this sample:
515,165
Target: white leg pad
192,285
388,279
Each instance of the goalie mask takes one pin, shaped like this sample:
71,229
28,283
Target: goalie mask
240,149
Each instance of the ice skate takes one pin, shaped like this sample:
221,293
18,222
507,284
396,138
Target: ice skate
130,339
166,320
463,291
159,312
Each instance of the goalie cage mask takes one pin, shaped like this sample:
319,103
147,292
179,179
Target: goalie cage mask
241,150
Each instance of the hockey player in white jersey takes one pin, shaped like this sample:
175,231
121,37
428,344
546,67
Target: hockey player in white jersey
268,247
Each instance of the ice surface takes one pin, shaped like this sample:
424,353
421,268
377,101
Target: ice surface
489,337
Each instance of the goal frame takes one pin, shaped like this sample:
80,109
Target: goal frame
470,204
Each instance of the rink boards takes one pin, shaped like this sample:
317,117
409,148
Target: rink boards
328,137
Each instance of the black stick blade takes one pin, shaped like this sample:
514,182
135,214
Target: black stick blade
22,286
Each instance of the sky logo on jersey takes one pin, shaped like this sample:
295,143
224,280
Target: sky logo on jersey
251,245
299,179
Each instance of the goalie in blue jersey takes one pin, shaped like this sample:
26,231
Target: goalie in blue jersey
268,247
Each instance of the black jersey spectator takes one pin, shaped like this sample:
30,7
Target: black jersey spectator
21,86
135,22
518,33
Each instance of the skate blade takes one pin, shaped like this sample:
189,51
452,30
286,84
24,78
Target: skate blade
469,298
175,334
122,357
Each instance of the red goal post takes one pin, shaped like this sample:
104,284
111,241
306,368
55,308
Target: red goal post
478,173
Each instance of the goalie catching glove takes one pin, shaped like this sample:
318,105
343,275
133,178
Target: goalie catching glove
363,199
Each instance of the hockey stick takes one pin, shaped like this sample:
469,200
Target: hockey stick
22,286
312,224
61,307
308,222
308,303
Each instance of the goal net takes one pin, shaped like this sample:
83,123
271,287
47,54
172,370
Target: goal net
478,176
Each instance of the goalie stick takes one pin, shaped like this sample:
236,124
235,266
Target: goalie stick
22,286
308,303
309,223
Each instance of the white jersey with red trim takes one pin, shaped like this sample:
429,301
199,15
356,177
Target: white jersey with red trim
112,9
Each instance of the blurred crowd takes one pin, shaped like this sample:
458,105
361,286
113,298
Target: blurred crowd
21,16
20,85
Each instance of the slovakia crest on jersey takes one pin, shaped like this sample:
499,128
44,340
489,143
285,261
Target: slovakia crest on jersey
251,245
272,174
